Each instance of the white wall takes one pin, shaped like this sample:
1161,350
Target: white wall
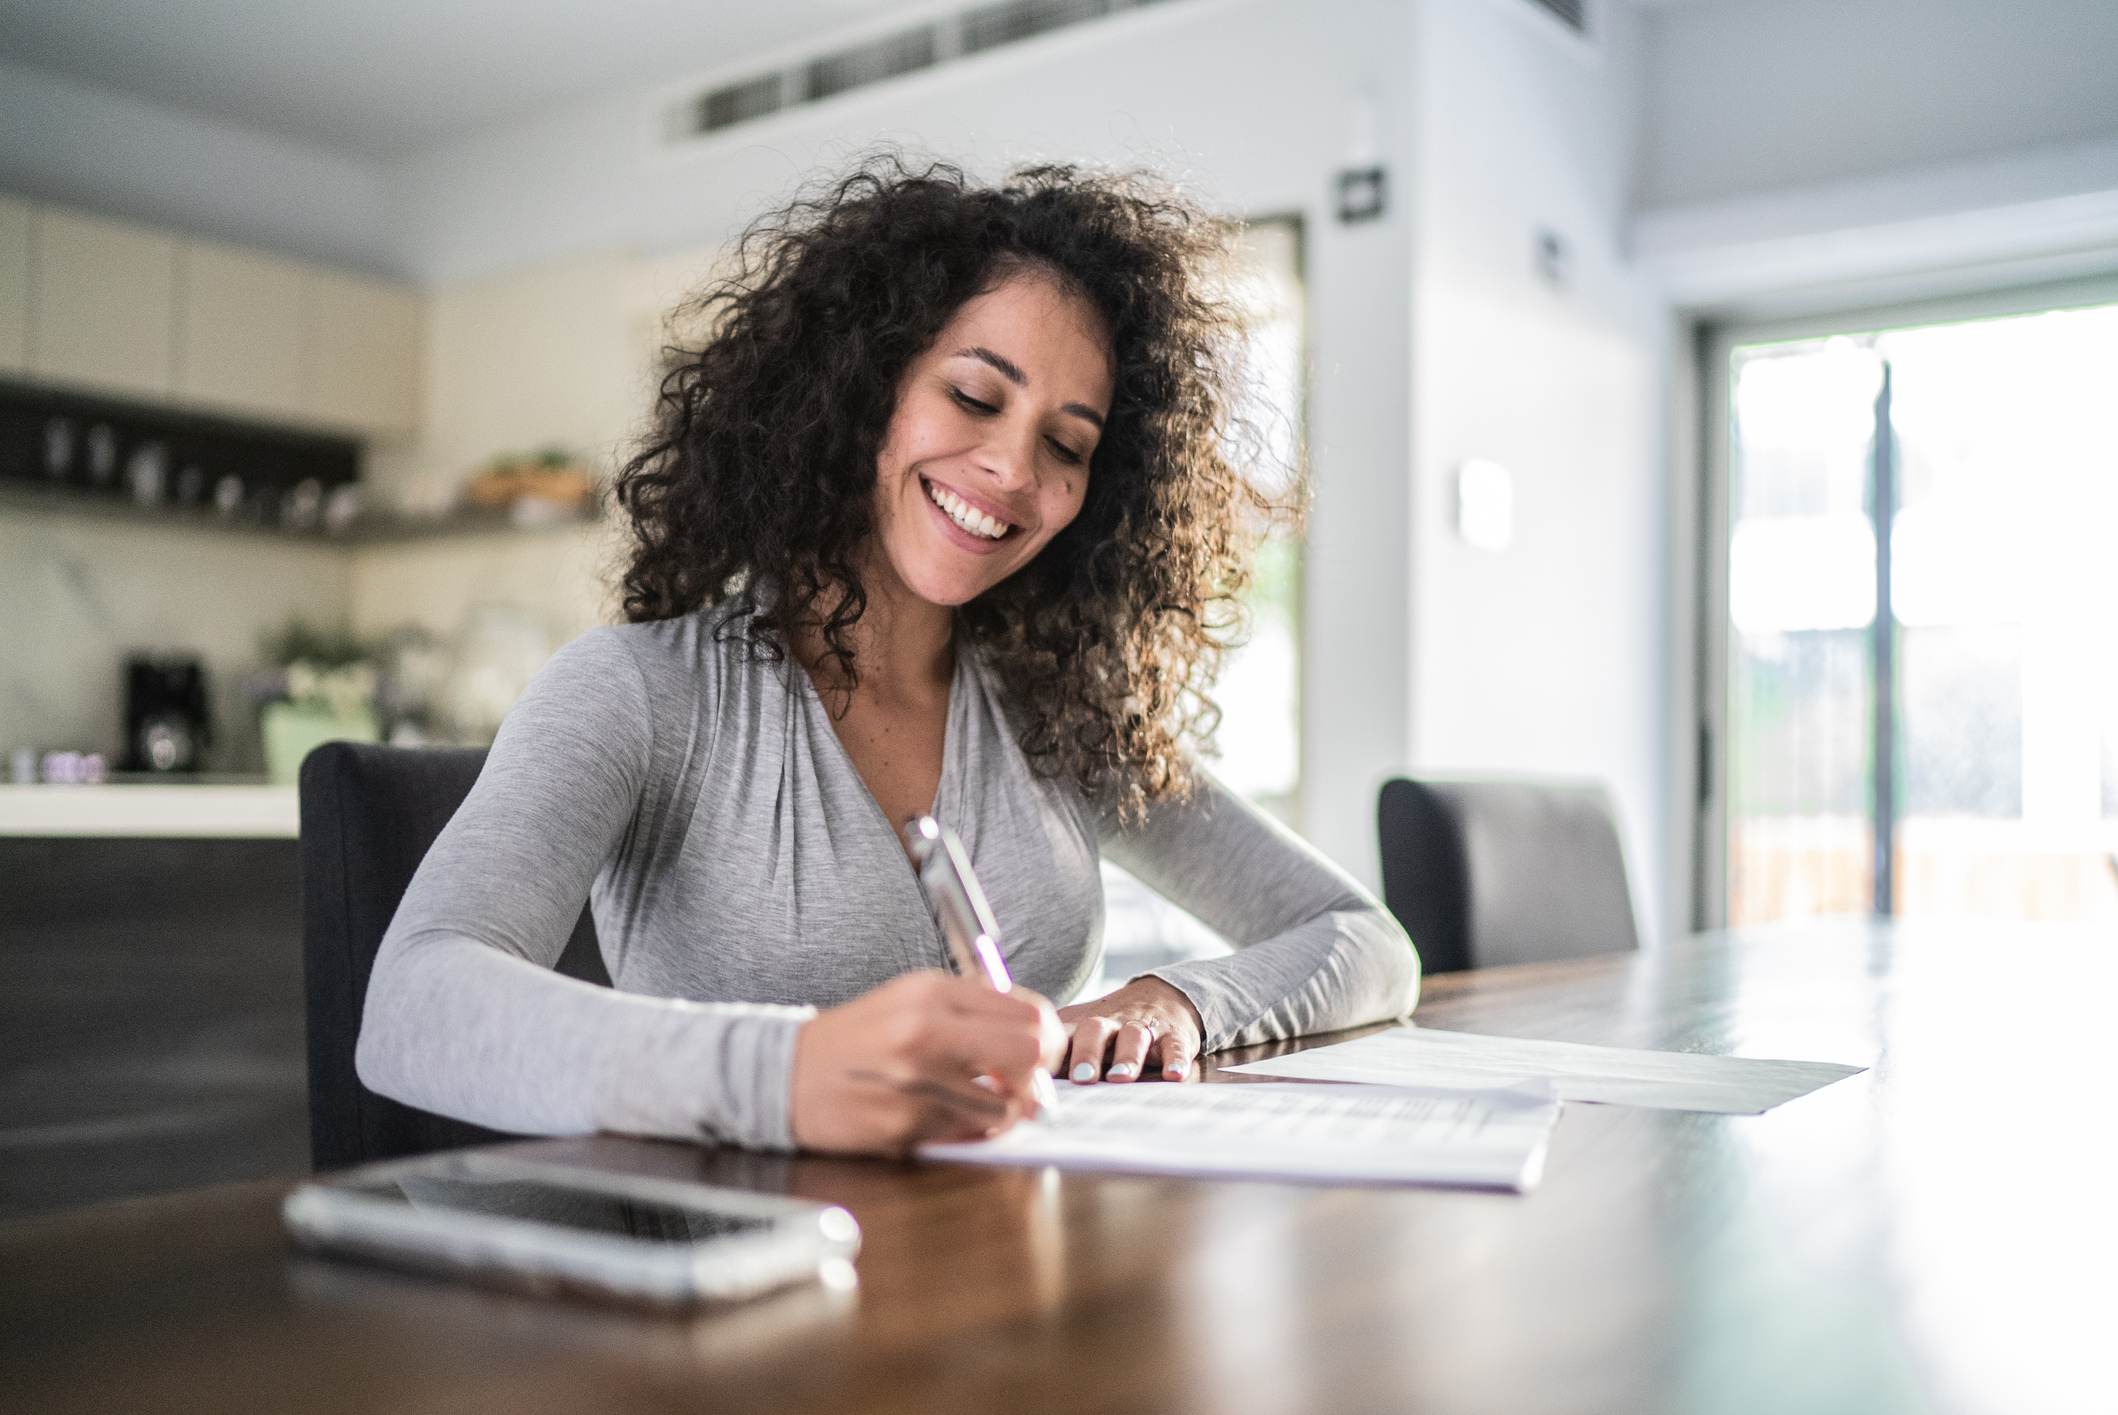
560,578
1251,102
1549,656
75,144
530,356
1745,96
536,356
1828,154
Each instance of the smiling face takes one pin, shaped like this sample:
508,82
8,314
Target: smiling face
987,454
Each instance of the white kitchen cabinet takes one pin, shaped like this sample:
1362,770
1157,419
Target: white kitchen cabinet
103,304
362,369
14,286
241,319
109,307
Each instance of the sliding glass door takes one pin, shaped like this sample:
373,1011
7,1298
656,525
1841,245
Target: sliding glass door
1921,719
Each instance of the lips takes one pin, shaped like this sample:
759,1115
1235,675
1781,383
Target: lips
957,534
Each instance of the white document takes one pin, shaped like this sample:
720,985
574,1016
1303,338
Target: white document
1665,1080
1310,1133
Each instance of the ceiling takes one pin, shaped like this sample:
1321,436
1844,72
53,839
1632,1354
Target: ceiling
381,78
378,79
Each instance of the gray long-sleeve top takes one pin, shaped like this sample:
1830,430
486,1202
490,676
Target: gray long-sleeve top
741,876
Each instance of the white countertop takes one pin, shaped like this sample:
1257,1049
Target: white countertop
151,809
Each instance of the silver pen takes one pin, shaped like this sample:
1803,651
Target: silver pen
967,923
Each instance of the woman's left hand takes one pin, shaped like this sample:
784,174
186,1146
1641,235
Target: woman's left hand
1117,1035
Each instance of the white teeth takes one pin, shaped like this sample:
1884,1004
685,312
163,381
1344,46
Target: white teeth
976,522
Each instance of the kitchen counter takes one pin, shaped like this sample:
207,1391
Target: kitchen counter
151,1027
190,810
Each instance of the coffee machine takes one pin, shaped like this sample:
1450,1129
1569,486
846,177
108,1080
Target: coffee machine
167,725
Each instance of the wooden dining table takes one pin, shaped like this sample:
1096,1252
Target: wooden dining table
1935,1233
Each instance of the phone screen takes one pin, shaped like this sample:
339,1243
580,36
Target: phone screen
562,1206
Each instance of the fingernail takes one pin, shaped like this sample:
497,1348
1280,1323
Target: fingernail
1173,1069
1084,1071
1123,1068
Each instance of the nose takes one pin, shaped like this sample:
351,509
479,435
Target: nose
1009,458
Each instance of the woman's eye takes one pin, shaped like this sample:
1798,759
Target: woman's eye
984,409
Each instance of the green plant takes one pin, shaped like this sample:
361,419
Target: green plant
550,455
301,642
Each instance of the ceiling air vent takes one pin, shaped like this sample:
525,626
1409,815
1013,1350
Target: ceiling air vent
947,39
730,104
991,26
1571,13
903,53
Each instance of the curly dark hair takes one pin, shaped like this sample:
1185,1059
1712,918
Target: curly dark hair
760,460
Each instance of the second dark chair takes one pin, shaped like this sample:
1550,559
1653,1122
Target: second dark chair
1492,871
368,816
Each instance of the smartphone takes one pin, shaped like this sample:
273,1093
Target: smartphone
552,1229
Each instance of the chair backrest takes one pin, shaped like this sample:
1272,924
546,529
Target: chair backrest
1486,872
368,816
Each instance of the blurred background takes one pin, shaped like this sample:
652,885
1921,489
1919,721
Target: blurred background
1707,397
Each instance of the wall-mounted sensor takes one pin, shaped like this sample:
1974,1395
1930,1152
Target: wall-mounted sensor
1485,505
1361,194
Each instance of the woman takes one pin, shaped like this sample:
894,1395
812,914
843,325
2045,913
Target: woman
937,519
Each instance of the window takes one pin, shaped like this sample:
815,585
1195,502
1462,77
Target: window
1259,690
1923,720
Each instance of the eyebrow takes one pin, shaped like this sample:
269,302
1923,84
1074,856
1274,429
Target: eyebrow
1012,372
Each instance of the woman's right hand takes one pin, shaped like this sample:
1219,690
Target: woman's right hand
901,1063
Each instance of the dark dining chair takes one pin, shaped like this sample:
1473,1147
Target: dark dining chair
368,816
1488,871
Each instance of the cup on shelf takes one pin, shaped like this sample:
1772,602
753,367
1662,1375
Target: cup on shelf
342,507
102,447
147,473
59,438
64,768
303,507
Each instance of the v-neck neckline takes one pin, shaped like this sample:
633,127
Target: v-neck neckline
939,807
933,951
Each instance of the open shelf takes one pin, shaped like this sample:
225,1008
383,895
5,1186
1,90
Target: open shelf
369,528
